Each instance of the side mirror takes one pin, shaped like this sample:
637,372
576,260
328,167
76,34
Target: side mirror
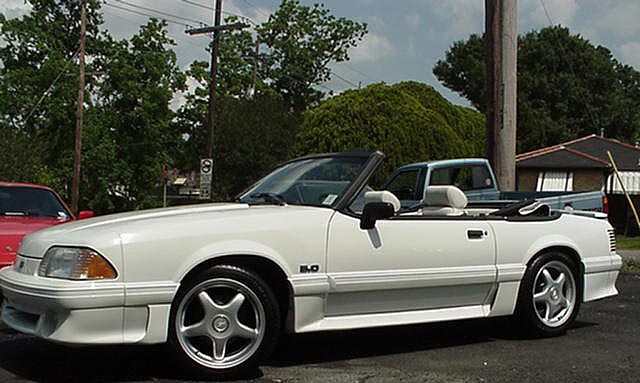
374,211
85,214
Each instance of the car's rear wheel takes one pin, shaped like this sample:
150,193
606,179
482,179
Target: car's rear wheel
549,297
224,322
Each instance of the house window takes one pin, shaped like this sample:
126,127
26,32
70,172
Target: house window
555,181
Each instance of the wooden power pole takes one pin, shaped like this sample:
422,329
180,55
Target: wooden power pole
75,186
501,34
215,29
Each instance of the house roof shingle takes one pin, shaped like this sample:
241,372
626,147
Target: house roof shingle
585,152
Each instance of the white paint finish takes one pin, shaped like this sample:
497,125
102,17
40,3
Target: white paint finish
167,248
407,299
36,293
157,324
145,293
510,272
505,299
135,323
410,253
403,268
348,322
90,326
309,284
600,285
399,279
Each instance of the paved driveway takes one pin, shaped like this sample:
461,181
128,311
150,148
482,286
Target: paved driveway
604,346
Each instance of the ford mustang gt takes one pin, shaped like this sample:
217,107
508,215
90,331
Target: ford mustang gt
310,247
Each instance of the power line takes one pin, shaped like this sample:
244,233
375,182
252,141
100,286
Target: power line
145,14
260,11
569,64
198,5
352,68
343,79
53,83
161,12
225,12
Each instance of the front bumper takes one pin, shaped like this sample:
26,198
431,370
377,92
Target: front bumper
84,312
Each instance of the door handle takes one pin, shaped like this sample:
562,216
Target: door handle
475,234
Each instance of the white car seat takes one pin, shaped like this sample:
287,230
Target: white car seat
444,200
382,196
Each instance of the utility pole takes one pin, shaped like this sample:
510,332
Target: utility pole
254,76
75,186
501,34
216,29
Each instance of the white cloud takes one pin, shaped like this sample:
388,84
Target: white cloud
371,48
180,97
630,53
560,11
413,20
14,8
621,19
461,17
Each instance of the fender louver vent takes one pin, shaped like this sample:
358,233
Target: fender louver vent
612,240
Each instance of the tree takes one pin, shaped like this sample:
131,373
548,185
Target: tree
131,143
127,129
567,87
409,122
301,41
39,48
253,135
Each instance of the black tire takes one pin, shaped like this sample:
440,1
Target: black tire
531,313
224,315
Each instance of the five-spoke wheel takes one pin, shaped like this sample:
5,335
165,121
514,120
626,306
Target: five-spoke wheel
549,296
225,321
554,294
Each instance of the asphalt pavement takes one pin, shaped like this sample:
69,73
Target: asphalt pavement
603,346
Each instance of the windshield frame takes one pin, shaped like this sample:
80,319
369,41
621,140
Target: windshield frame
372,160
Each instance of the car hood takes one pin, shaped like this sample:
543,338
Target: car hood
13,229
104,231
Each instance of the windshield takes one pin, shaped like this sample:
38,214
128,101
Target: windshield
32,202
312,181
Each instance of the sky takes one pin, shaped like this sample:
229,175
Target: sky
406,37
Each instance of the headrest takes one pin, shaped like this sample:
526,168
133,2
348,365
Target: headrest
446,195
382,196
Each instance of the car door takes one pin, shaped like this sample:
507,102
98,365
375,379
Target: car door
409,263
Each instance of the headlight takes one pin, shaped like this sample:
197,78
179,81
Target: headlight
75,263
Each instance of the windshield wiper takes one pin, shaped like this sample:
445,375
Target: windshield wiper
270,198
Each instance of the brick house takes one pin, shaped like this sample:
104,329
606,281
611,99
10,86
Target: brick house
583,165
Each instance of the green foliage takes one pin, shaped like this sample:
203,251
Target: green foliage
302,41
251,137
567,87
127,117
130,134
409,122
38,47
133,132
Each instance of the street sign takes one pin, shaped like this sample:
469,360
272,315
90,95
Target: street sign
206,175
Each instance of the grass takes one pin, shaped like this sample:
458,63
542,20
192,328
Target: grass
627,243
630,266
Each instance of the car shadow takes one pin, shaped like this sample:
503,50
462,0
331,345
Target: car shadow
41,361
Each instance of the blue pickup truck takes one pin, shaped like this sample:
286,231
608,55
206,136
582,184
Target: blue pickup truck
475,178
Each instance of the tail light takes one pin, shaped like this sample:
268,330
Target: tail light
605,205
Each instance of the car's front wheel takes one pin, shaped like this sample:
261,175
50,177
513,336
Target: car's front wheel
549,297
224,322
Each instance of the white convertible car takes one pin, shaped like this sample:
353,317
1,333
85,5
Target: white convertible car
310,247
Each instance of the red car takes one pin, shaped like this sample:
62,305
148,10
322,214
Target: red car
25,208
